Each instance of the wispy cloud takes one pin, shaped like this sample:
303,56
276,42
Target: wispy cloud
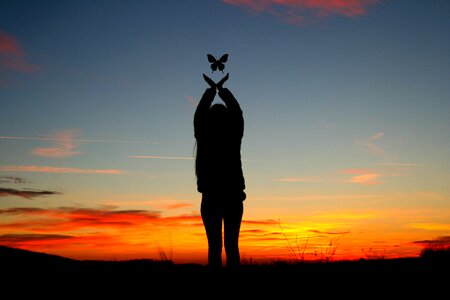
357,176
440,241
26,193
72,219
66,219
80,232
163,203
430,226
85,140
390,169
370,145
302,11
13,179
47,169
366,179
64,145
376,136
11,238
329,232
398,164
383,170
178,205
12,56
307,179
363,176
192,101
291,179
192,157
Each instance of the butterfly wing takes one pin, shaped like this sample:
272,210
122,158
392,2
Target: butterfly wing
211,58
214,66
221,66
224,58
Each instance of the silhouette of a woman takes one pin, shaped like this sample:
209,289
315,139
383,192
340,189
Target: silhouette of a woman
218,130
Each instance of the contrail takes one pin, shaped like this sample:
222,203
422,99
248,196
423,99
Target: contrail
274,161
191,157
161,157
86,140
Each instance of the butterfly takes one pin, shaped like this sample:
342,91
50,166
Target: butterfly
217,64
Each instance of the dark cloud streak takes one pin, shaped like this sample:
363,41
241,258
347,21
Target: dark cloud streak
26,193
31,237
439,241
328,232
12,179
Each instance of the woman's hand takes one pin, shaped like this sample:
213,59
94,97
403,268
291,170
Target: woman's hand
214,85
209,81
222,81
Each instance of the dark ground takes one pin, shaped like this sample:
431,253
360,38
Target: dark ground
25,271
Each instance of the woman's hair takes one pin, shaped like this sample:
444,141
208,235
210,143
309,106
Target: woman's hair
217,114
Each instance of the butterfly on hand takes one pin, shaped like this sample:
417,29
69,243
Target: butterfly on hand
217,63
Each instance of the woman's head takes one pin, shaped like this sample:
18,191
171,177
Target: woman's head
218,109
218,116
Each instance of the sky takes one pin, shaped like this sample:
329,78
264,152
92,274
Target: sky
346,150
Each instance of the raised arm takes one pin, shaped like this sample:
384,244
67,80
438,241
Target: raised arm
202,111
235,111
230,101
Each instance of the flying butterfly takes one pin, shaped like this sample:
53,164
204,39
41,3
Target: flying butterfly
217,63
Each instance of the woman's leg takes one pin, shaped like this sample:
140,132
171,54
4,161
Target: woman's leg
232,223
212,220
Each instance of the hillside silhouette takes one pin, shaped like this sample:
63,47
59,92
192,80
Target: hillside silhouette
426,274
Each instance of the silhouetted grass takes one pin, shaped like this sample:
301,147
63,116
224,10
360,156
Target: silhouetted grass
297,250
424,272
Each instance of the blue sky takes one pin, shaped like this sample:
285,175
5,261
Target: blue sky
337,101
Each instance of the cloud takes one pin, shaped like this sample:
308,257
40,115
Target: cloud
362,176
261,222
12,179
20,210
398,164
65,219
430,226
329,232
80,232
192,157
27,193
308,179
440,241
376,136
301,11
65,145
192,101
365,179
62,170
370,145
291,179
385,170
164,203
73,218
178,205
11,238
87,140
12,56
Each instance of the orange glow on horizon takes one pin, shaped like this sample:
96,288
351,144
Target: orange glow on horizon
130,234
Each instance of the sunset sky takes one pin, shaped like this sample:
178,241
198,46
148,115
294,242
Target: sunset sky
346,149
